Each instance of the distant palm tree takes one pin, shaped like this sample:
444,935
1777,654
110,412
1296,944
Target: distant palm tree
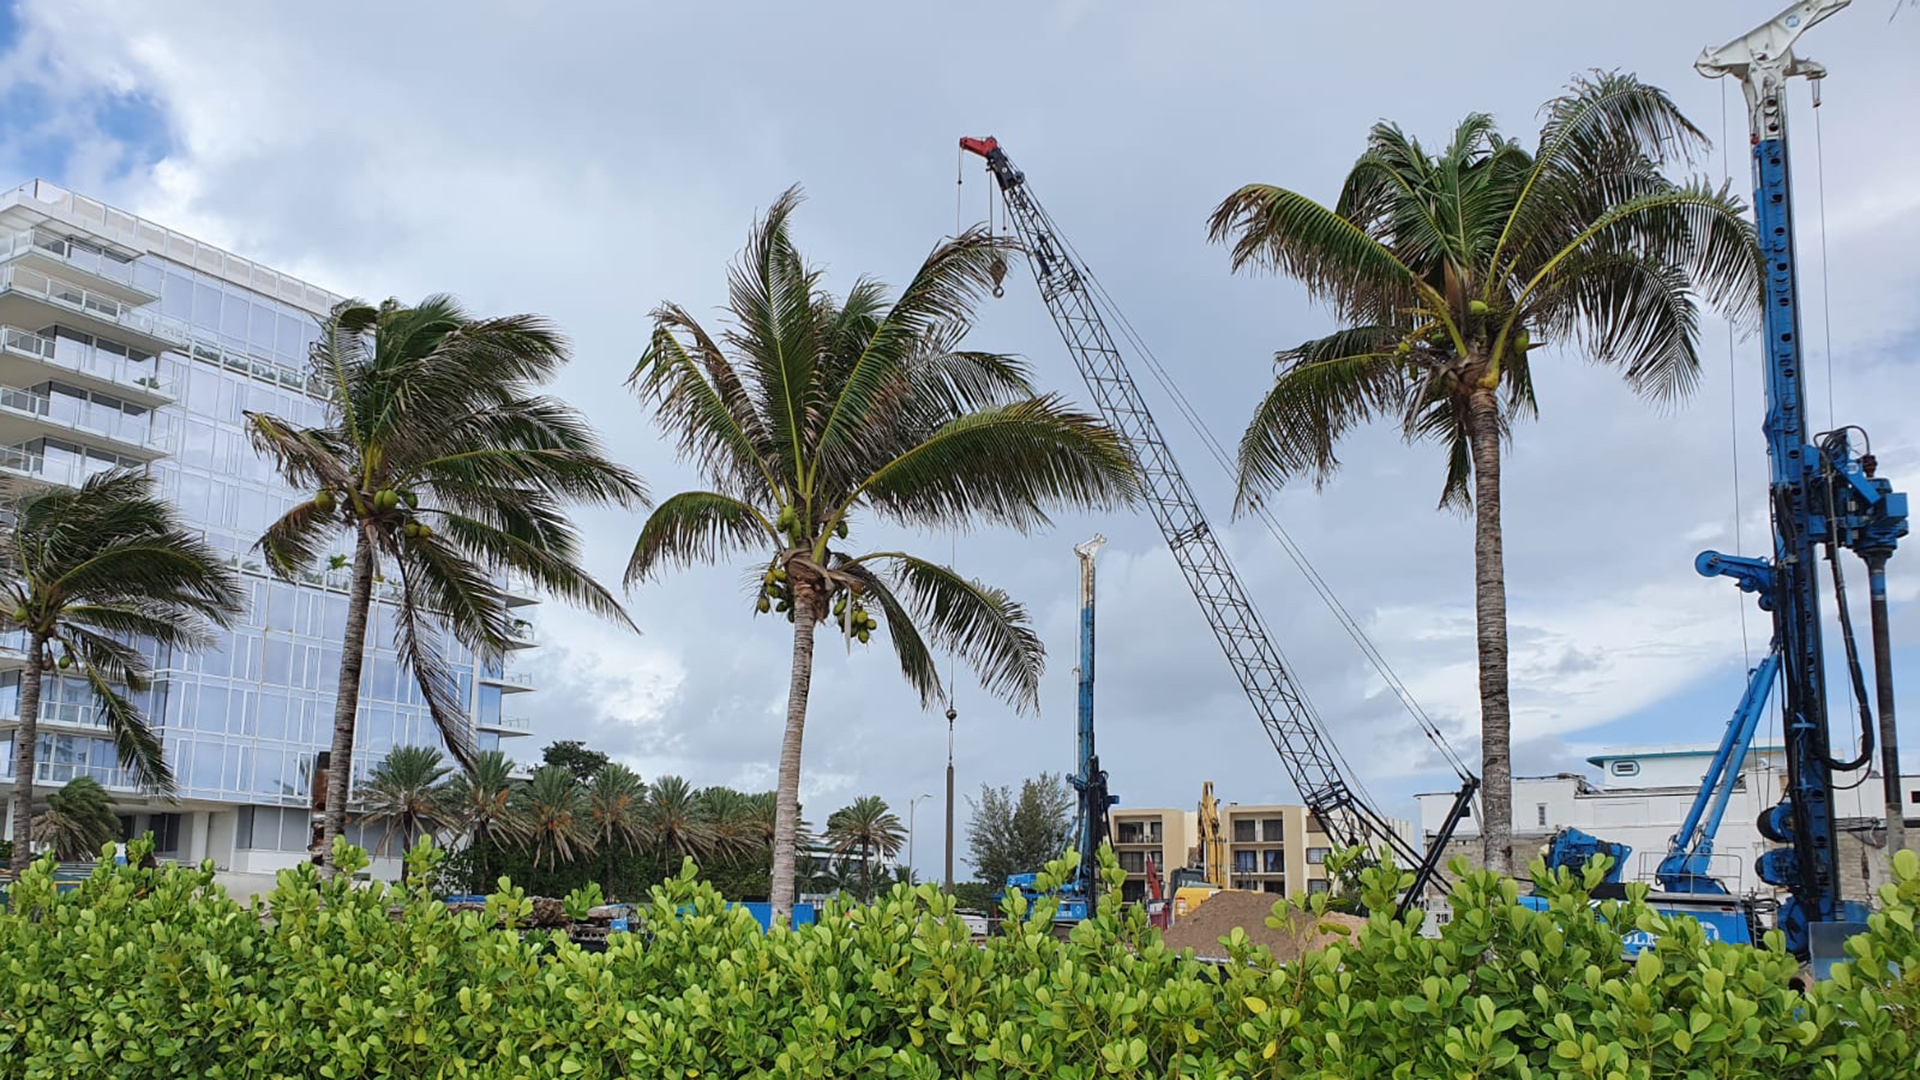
89,570
731,814
555,815
482,805
441,461
868,827
78,821
616,816
406,794
811,411
675,825
1449,269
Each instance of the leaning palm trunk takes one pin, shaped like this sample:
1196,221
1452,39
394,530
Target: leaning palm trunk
786,824
25,749
353,648
1490,622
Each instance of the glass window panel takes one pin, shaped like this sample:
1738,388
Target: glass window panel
336,624
260,320
206,306
272,715
240,713
279,658
280,607
208,756
210,707
233,318
243,828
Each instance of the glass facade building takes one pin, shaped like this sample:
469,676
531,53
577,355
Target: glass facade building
123,343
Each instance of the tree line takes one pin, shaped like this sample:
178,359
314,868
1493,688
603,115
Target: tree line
812,416
581,818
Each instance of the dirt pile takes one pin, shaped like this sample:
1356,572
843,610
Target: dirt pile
1203,927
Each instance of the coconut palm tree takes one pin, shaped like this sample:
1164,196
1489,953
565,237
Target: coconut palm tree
554,811
616,816
406,793
867,826
85,572
443,465
1451,270
812,412
78,820
482,805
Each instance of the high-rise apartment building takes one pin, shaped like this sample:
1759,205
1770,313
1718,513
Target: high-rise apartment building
124,343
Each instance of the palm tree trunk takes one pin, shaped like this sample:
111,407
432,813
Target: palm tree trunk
346,704
26,749
1490,620
786,822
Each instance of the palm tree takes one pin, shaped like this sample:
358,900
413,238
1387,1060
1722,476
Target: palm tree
405,793
676,825
866,826
88,570
440,461
1450,268
616,804
811,411
554,812
78,821
482,804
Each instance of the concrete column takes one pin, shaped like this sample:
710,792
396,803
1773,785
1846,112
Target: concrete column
194,846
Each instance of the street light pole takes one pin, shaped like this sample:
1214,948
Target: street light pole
950,717
911,805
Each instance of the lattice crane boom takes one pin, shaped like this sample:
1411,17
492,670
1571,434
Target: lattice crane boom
1284,711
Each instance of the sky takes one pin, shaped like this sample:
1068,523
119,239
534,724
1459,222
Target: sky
589,161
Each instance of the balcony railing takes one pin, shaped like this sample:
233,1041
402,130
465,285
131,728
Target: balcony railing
97,263
85,359
507,723
59,772
138,233
86,418
71,296
71,472
510,678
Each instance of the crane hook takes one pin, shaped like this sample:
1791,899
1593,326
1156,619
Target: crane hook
998,270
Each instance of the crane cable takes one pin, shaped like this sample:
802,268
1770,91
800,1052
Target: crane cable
1294,553
1341,614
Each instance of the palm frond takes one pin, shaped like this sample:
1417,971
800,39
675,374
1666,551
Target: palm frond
1273,228
107,666
978,623
548,564
917,662
698,395
695,526
432,583
940,299
772,294
1004,466
298,538
1324,389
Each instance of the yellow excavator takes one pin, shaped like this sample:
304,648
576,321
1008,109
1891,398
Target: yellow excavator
1192,885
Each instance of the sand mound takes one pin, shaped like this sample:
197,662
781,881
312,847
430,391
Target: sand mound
1203,928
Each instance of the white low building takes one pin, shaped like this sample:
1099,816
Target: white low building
1642,794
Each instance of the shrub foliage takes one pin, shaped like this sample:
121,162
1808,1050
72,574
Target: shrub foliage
159,973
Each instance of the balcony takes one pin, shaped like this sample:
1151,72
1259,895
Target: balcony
27,414
522,635
30,358
51,202
510,682
93,266
519,592
59,772
31,298
24,469
512,725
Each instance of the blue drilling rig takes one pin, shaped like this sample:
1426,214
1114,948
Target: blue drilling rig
1089,781
1825,498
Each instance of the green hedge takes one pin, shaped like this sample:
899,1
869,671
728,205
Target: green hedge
159,973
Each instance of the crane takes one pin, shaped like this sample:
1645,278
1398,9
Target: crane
1306,753
1823,493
